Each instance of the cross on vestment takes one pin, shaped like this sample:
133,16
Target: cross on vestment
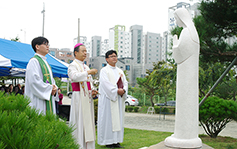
46,74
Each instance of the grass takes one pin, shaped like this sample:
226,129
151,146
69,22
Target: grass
135,139
219,142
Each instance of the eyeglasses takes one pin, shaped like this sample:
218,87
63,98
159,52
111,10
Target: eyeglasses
113,56
46,44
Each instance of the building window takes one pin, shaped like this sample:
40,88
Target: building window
127,67
85,62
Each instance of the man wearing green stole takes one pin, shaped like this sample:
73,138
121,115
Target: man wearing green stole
39,83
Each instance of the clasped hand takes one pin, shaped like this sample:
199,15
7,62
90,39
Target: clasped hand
54,90
92,71
121,91
94,93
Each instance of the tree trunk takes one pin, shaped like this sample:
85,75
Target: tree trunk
152,103
234,96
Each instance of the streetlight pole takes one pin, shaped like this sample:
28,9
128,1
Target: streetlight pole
24,34
78,37
43,11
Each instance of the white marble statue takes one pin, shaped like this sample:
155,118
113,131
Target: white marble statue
186,55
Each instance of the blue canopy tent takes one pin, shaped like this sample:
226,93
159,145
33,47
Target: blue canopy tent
14,57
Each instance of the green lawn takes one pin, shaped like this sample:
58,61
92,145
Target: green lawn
134,139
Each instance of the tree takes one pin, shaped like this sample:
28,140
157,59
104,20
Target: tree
227,90
146,84
164,75
209,74
215,113
222,13
217,23
17,39
160,81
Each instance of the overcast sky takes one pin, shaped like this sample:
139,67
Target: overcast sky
23,18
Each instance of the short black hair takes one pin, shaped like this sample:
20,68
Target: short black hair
110,52
38,41
77,49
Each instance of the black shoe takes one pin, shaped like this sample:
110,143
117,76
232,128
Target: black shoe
117,145
110,146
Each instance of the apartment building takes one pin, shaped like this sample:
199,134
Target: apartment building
64,54
119,40
153,49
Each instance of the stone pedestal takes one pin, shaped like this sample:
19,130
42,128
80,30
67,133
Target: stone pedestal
183,143
162,145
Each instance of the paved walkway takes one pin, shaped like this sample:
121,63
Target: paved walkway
157,122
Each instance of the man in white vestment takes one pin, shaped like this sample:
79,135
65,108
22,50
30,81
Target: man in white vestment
82,106
39,82
111,103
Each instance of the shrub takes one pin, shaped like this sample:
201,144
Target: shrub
135,109
23,127
215,113
157,109
165,110
130,108
126,108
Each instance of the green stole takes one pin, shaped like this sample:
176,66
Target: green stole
46,79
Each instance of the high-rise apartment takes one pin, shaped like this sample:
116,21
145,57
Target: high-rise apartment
95,46
119,40
137,43
104,46
153,49
164,46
